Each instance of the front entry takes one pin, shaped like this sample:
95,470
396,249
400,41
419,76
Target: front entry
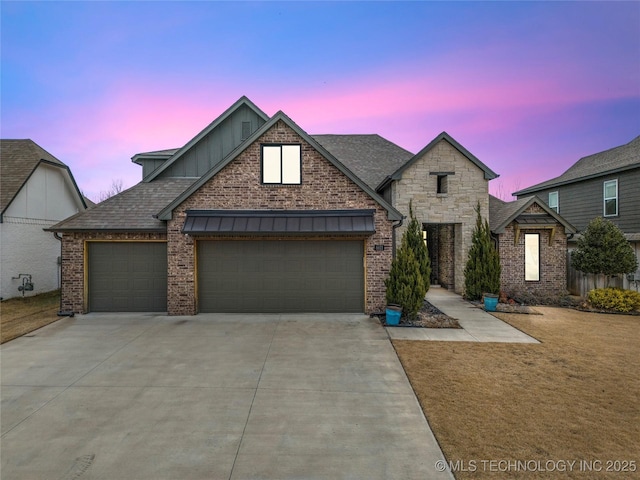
440,239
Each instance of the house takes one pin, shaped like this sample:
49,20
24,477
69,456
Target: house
444,182
605,185
532,244
251,215
255,215
36,189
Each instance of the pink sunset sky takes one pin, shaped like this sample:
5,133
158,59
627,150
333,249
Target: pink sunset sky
528,88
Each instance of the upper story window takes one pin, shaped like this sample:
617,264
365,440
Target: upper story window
611,198
282,164
553,202
443,184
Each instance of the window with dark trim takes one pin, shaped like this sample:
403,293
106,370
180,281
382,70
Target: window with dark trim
553,202
282,164
443,184
532,257
611,198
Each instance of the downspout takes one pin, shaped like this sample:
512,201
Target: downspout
393,237
61,313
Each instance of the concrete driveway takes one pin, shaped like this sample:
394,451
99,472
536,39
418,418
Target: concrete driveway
142,396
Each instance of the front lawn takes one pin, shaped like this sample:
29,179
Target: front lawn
572,398
21,315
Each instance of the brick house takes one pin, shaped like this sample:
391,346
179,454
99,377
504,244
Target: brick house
255,215
532,244
251,215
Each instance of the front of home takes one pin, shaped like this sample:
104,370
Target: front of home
255,215
276,225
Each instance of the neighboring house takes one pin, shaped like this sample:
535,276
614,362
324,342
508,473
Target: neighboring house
251,215
532,244
444,182
601,185
36,189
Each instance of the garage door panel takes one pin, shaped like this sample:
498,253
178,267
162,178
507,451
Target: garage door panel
280,276
127,276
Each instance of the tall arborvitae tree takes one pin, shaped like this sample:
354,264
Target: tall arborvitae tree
415,242
602,249
482,272
405,286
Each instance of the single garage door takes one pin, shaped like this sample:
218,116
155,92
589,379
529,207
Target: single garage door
127,276
281,276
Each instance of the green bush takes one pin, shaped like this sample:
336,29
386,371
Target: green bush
405,286
614,299
482,271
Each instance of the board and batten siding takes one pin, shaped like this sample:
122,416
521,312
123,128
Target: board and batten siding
215,146
581,202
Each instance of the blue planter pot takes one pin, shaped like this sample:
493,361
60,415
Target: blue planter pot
393,316
490,302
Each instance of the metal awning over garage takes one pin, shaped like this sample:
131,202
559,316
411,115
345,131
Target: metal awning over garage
279,222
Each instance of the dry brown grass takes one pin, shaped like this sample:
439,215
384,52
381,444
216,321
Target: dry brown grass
575,396
22,315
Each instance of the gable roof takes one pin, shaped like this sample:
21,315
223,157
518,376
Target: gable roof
165,213
501,214
370,157
614,160
488,173
20,158
243,101
131,210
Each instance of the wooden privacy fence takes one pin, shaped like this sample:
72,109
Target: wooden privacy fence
579,284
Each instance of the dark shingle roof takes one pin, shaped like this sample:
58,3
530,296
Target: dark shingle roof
615,159
501,214
19,159
371,157
130,210
392,213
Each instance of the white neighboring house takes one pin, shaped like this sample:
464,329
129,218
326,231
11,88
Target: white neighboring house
36,191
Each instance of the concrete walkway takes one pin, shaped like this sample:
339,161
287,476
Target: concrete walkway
477,325
135,396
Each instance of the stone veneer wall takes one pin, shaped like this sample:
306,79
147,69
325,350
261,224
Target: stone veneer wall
465,189
238,186
553,262
73,263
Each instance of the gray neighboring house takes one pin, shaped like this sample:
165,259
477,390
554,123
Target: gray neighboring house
604,185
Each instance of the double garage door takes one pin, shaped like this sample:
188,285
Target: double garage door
280,276
232,276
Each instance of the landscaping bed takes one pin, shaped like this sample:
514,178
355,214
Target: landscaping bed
428,317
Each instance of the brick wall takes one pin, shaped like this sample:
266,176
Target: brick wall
73,263
553,266
238,186
465,189
446,256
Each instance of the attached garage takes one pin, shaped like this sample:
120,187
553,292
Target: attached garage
281,276
127,276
